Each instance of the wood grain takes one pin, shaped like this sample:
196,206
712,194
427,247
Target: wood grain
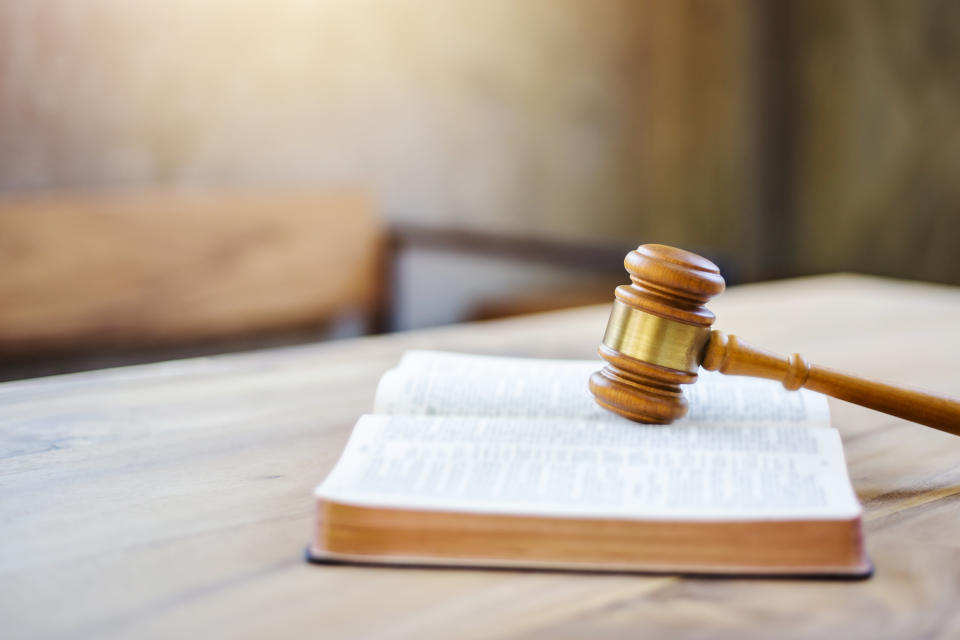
174,500
134,269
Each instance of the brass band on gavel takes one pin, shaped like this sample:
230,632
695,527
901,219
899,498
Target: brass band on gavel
644,336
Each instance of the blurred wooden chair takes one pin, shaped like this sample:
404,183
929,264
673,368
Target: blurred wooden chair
89,274
594,267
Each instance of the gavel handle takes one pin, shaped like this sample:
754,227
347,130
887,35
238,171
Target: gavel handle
727,354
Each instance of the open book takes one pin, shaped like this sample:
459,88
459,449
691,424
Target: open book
486,461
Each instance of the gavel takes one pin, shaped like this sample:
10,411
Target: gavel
659,335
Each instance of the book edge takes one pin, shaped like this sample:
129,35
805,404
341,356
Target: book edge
861,571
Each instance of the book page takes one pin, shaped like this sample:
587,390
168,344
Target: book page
574,468
427,383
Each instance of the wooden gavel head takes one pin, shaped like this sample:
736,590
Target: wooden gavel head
657,333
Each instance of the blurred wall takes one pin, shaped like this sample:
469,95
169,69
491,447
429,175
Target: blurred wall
561,117
877,95
785,137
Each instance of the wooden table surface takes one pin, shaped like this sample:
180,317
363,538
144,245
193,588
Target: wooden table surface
174,500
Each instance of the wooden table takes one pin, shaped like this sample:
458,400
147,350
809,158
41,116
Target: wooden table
173,500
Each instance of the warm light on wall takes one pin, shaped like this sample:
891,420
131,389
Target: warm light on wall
451,111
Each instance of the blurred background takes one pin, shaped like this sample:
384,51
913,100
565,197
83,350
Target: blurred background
194,176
